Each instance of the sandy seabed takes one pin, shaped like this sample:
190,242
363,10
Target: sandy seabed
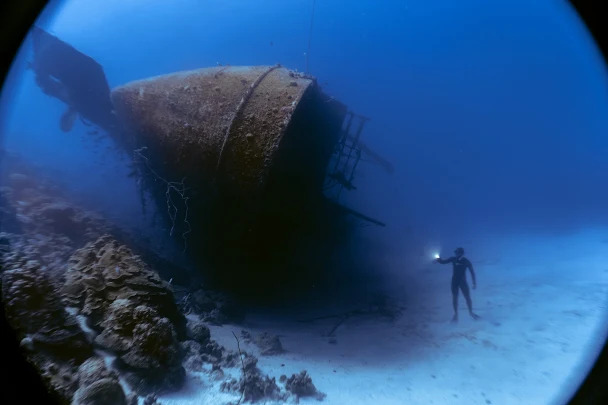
543,301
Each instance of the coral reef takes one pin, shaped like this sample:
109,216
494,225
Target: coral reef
198,331
196,354
193,361
42,224
254,385
151,400
100,392
213,307
108,298
146,344
98,385
104,271
126,302
51,338
134,311
301,385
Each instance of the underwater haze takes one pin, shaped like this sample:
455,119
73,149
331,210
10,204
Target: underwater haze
486,130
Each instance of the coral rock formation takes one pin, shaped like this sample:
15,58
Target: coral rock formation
254,385
104,271
301,385
54,342
98,385
132,308
214,307
198,331
43,225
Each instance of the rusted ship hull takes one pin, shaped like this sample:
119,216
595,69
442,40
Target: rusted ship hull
249,148
243,130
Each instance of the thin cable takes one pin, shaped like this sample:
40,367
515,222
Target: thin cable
312,18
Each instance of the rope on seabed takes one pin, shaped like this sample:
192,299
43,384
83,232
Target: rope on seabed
312,17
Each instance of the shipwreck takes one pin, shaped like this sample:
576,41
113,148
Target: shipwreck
249,163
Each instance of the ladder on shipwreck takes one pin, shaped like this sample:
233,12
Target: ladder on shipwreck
348,153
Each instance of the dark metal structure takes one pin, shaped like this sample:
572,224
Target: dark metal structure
74,78
246,131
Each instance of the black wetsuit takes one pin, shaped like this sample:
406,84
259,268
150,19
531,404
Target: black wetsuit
459,279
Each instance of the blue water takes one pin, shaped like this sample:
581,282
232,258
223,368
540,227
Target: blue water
494,114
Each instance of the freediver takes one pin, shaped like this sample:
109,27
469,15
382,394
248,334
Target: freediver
459,280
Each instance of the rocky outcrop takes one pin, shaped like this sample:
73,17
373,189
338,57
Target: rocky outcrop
38,207
300,385
198,331
104,271
132,309
51,338
100,392
98,385
42,224
49,289
197,354
213,307
147,346
253,384
256,387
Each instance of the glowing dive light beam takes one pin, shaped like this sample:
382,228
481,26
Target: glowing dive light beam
436,255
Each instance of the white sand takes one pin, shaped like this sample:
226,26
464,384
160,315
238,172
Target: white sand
543,302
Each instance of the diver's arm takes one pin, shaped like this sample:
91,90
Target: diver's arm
444,261
472,274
